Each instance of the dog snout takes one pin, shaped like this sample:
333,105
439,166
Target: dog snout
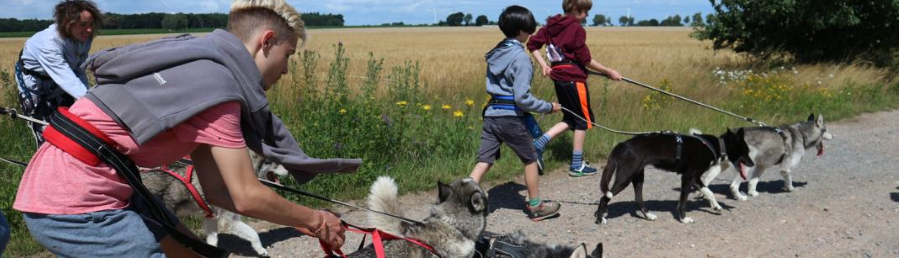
827,136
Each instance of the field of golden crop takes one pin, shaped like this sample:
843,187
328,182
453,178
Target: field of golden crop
452,59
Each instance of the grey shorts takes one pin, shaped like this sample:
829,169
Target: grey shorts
110,233
509,130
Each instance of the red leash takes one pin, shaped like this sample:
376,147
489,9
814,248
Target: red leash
378,238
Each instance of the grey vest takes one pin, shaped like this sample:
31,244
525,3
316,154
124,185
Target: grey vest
151,87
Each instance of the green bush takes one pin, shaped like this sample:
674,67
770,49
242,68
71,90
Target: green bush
807,30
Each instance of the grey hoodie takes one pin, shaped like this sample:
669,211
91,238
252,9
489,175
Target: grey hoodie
509,72
151,87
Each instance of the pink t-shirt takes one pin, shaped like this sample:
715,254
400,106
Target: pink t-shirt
57,183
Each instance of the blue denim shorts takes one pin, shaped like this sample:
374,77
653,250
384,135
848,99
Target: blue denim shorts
111,233
4,233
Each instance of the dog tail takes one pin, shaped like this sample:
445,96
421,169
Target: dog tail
383,197
608,172
695,131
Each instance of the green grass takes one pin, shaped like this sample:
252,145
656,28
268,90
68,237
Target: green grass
399,128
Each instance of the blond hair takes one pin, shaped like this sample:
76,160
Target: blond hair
246,16
577,5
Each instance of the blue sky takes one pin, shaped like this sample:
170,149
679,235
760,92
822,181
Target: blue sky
361,12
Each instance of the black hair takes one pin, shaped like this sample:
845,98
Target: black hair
516,18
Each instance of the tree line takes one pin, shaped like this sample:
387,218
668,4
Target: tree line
167,21
696,20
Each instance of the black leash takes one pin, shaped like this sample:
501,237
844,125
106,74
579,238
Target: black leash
751,120
305,193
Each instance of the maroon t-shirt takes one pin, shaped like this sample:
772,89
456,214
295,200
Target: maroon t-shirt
567,34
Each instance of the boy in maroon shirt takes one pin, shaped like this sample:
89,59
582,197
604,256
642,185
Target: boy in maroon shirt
569,60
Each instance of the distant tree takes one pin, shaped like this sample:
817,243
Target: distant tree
481,20
455,19
687,20
807,30
468,19
697,20
599,20
710,18
623,21
174,22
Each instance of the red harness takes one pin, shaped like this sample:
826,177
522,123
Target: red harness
378,238
186,180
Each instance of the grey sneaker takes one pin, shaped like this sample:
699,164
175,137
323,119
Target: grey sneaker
545,210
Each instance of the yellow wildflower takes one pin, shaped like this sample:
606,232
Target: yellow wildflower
458,113
342,111
470,102
426,107
446,107
402,103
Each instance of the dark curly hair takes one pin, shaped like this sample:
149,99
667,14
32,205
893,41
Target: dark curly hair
69,12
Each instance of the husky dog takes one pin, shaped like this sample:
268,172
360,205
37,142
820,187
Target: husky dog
688,155
515,245
179,200
781,146
452,228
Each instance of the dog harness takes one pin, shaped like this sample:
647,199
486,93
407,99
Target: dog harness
88,144
679,142
488,247
378,238
186,180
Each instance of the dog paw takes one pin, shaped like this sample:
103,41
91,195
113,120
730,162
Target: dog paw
753,193
687,220
717,208
740,197
789,188
650,216
601,221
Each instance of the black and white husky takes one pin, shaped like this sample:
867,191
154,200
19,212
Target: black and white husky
781,147
688,155
178,199
454,224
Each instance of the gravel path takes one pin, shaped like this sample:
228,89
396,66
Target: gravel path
845,204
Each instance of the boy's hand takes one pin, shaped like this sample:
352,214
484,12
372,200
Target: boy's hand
556,107
331,231
545,70
613,75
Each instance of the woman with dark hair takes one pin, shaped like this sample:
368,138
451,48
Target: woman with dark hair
48,72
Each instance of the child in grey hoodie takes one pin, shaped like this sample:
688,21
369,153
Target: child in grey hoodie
509,72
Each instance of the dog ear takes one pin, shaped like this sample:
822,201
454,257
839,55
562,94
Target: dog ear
444,192
598,252
821,121
477,201
740,133
812,117
580,252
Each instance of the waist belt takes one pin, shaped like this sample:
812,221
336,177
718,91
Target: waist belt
564,63
503,102
85,142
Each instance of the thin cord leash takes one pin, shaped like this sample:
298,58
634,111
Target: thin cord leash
604,127
751,120
305,193
14,114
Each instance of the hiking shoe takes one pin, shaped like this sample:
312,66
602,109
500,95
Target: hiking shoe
540,161
545,210
583,170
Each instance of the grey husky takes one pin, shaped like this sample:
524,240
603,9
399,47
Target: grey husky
455,222
516,245
179,200
781,146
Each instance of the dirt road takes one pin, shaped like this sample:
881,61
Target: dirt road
845,204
